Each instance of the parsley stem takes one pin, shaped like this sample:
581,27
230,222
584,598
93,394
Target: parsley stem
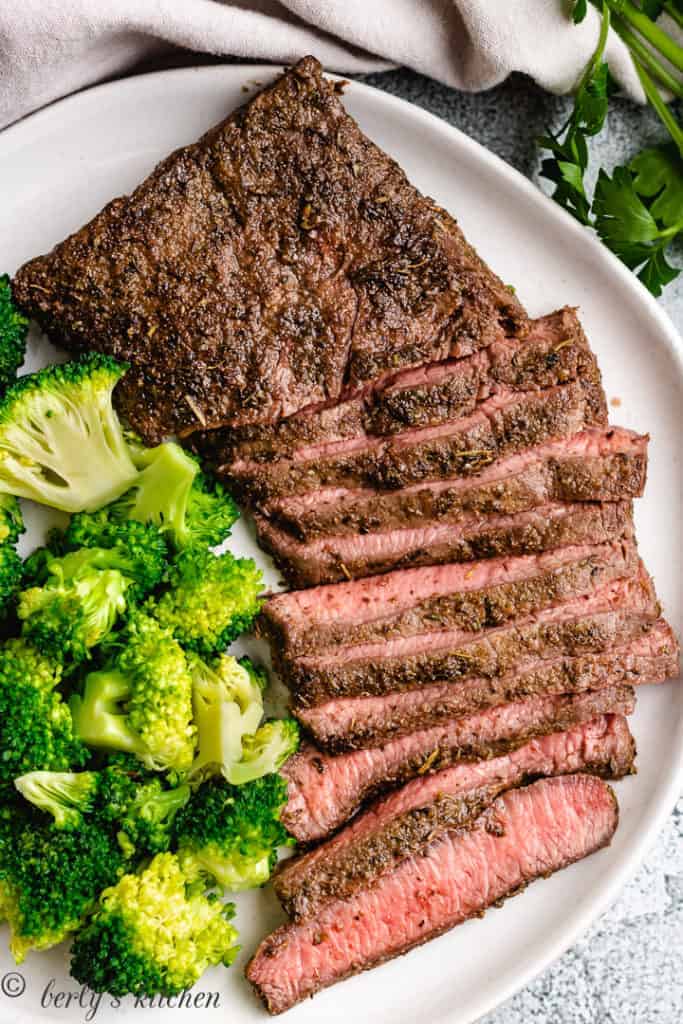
660,106
595,60
648,59
650,31
674,13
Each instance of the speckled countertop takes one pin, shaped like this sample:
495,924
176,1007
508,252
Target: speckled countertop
628,969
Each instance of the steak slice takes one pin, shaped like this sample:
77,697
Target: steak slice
280,259
407,821
507,422
554,351
352,723
412,601
525,834
596,465
333,559
615,613
325,790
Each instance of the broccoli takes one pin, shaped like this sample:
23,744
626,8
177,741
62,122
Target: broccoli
141,702
11,575
11,519
61,443
125,797
154,932
78,605
211,599
138,550
50,878
265,751
227,697
36,729
172,493
232,833
13,331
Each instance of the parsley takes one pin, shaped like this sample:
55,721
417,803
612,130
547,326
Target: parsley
638,211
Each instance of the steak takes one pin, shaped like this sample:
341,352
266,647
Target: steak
279,261
597,465
333,559
352,723
507,422
407,821
525,834
614,613
324,791
554,351
412,601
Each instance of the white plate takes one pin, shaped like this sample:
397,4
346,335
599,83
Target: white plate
60,166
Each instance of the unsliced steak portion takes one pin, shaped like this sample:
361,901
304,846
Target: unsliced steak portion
407,821
351,723
326,790
280,259
554,351
333,559
596,465
525,834
473,596
507,422
614,613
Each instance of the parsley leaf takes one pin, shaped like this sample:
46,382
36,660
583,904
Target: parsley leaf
659,172
579,11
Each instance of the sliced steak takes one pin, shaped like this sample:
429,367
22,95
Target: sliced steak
407,821
278,260
554,351
352,723
472,596
325,790
507,422
614,613
596,465
525,834
333,559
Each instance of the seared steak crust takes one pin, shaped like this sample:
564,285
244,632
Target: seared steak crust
276,262
525,834
405,823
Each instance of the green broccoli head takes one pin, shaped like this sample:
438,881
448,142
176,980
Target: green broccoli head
11,576
11,519
36,729
142,702
154,932
136,804
232,833
76,607
13,332
188,507
227,698
265,751
210,601
138,550
50,878
61,443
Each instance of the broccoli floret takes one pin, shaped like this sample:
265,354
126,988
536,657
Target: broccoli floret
138,550
13,331
172,493
265,751
61,443
155,932
211,599
11,575
76,607
36,729
135,802
227,698
142,702
11,519
233,832
50,878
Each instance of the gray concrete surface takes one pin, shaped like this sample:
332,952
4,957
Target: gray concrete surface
628,969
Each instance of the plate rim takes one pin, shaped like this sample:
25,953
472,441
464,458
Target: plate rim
31,125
